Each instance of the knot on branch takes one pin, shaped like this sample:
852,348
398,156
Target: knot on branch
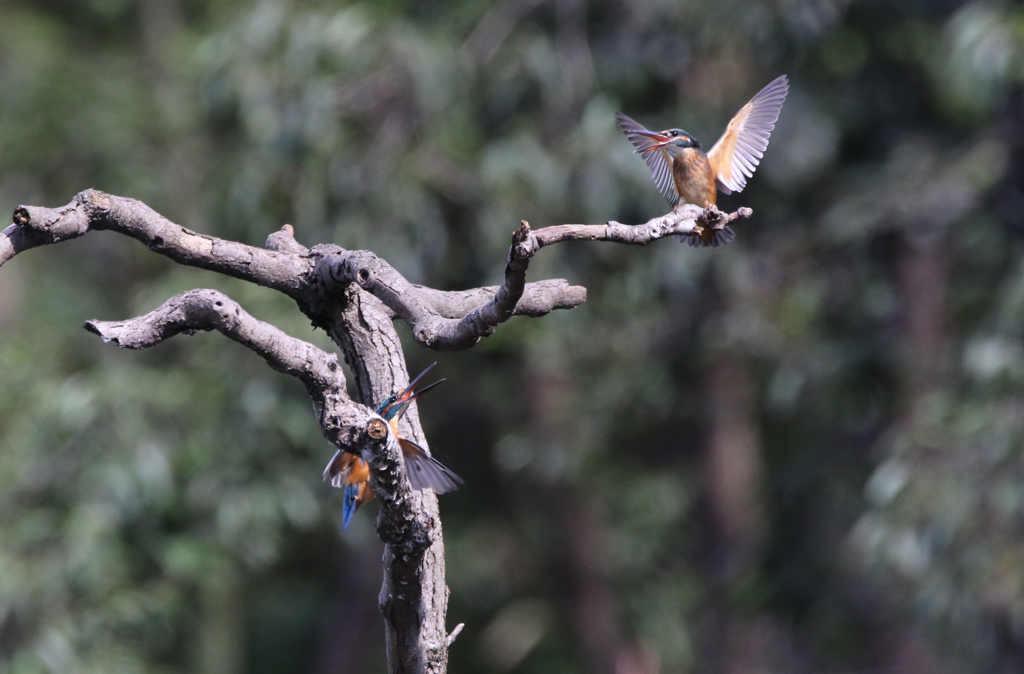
21,216
351,266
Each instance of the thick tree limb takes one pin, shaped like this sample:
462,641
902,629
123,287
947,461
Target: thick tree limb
213,310
93,210
539,298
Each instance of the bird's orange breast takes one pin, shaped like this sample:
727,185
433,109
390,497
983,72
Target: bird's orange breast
695,182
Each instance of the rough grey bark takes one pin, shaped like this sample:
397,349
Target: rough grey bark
355,296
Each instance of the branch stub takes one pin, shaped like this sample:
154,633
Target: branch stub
21,216
377,429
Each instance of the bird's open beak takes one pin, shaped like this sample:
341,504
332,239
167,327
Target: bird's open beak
665,140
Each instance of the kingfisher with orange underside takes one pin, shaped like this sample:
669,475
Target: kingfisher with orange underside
685,175
351,473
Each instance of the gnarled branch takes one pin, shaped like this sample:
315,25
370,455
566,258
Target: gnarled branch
284,265
213,310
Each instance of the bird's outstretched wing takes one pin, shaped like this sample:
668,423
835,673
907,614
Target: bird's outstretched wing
426,471
658,160
738,152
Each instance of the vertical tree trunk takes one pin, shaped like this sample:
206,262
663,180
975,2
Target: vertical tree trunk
412,573
923,281
735,487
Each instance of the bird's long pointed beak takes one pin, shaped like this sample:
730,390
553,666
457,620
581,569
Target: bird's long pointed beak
665,140
649,134
655,146
419,376
408,395
407,399
423,390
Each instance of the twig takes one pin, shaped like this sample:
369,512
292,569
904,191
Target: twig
455,633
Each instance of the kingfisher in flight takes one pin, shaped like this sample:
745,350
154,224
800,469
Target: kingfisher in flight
685,175
351,473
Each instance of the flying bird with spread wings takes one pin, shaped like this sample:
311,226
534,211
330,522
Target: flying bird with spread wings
685,175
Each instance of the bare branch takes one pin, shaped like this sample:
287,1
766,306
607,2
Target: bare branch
94,210
439,320
213,310
449,331
539,298
684,221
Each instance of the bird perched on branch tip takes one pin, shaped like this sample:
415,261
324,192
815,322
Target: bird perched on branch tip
351,473
685,175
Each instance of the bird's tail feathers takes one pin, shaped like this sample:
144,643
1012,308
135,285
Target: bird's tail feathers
350,504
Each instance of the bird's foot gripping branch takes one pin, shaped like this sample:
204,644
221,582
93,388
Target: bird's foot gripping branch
355,296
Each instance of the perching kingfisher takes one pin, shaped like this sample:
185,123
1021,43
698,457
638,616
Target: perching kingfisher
685,175
352,473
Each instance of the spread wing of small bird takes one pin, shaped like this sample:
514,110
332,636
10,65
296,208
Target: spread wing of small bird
351,473
732,160
426,471
658,160
735,156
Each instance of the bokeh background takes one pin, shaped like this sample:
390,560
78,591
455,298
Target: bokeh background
799,453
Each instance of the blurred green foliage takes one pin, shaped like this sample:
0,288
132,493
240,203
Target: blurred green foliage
162,511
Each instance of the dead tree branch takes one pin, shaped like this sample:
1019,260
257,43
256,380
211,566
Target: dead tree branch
355,296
